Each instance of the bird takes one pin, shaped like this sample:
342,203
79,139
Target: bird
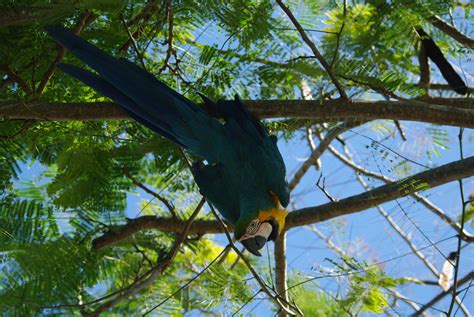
434,53
239,169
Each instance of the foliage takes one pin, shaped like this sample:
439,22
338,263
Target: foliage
48,220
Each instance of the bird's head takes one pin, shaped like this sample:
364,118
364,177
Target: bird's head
253,233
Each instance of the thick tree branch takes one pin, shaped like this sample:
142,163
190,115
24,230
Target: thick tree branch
157,223
446,87
424,65
319,110
280,269
432,178
464,103
10,17
452,31
315,50
466,236
427,179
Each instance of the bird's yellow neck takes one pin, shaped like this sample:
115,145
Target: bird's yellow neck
279,214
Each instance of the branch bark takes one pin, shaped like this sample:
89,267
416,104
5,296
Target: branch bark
432,178
450,30
465,235
10,17
320,110
280,269
424,65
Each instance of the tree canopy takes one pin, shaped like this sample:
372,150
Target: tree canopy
99,215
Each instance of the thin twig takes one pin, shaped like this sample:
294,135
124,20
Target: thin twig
315,50
338,35
188,282
463,214
341,252
86,19
134,44
168,205
169,40
323,188
400,130
468,277
275,297
145,16
14,77
317,152
146,279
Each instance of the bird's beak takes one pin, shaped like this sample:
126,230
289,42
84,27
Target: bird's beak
253,244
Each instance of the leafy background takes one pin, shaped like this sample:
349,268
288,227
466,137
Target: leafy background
62,183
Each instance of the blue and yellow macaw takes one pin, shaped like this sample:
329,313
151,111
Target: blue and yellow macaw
244,174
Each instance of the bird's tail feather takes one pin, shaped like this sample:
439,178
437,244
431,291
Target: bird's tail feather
145,98
106,89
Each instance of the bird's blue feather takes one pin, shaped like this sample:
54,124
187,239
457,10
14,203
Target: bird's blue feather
243,162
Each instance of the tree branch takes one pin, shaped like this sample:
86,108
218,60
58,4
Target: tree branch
169,39
432,178
441,295
86,19
319,110
315,50
149,191
450,30
412,246
427,179
319,150
148,278
424,66
165,224
280,269
14,77
10,17
466,236
277,298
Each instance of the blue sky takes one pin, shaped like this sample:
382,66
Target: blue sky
367,235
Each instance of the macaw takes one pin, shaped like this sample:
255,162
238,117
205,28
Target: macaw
243,175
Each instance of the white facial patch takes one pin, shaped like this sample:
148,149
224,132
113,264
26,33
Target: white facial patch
265,230
256,228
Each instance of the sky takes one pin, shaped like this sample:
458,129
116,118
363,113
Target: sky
367,235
